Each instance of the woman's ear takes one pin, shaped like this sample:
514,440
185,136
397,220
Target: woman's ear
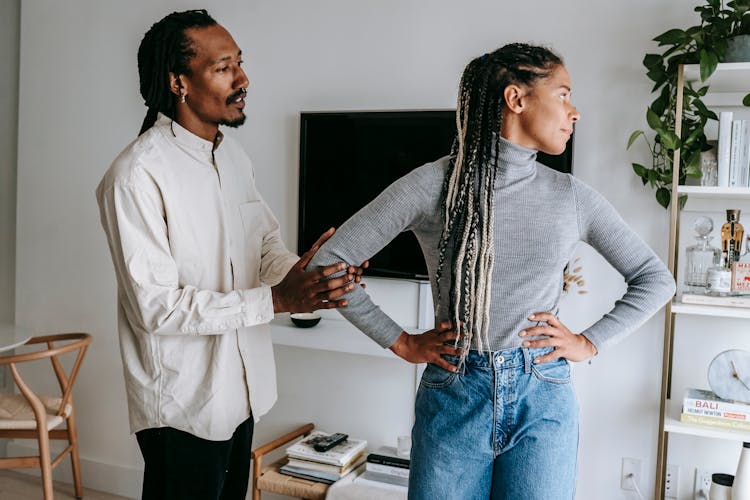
514,98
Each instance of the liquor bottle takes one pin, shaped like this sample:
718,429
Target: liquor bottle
701,256
731,238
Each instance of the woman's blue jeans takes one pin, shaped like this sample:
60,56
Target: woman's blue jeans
501,427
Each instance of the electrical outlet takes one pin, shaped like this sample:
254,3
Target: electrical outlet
631,473
702,484
672,481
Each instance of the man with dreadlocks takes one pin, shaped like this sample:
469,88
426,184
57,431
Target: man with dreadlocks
495,415
200,266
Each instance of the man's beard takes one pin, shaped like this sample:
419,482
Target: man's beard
234,123
230,100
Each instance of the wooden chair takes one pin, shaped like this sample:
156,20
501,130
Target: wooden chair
270,479
32,416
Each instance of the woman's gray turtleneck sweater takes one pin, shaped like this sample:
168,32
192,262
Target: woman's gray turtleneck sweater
540,216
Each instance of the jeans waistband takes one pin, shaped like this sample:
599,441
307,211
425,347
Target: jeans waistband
505,358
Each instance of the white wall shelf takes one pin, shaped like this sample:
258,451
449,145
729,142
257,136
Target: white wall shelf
328,335
715,193
704,310
729,78
673,424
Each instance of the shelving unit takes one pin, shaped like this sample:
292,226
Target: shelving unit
727,86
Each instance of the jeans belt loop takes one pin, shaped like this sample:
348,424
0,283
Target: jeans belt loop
527,360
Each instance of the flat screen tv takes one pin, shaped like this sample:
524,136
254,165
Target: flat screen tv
348,158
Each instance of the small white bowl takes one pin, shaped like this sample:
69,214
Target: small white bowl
305,320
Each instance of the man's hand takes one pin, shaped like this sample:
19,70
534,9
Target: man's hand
304,291
567,344
357,272
428,346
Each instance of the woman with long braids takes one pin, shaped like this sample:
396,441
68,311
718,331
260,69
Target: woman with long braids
495,415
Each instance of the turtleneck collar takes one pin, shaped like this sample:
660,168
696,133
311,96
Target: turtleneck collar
515,161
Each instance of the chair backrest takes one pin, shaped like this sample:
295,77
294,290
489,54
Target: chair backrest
70,342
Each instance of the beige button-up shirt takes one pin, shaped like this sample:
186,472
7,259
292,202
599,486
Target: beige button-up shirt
195,249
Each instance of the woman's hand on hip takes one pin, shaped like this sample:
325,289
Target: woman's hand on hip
427,347
566,344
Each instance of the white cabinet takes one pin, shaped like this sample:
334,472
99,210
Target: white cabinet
728,85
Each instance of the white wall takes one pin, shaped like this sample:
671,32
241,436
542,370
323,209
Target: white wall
80,106
9,33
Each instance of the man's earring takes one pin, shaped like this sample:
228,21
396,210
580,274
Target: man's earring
182,97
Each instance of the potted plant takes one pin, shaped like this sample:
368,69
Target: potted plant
705,44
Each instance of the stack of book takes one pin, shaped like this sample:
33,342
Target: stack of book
385,467
305,462
706,408
733,152
711,300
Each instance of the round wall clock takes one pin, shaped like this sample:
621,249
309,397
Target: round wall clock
729,375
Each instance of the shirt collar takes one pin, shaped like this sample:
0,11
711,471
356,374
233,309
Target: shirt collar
186,138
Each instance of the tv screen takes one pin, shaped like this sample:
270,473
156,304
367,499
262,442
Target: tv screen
363,152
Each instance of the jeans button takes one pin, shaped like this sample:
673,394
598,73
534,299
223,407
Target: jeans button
499,360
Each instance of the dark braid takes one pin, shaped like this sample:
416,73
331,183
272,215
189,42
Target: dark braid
467,194
165,49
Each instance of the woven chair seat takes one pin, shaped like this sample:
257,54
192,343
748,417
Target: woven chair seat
16,412
275,482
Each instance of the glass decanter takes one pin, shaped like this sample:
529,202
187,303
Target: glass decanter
701,256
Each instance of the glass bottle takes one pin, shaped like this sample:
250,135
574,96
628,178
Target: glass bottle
731,238
701,256
719,281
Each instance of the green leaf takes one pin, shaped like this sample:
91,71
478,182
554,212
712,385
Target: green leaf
651,60
633,137
708,62
669,139
701,108
671,37
660,104
693,165
691,138
683,199
662,196
640,171
746,100
657,74
653,120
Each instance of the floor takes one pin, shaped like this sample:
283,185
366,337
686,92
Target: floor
17,486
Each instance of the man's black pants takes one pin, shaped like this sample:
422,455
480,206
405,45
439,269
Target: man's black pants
180,466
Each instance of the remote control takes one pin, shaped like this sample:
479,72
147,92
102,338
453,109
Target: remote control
325,443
